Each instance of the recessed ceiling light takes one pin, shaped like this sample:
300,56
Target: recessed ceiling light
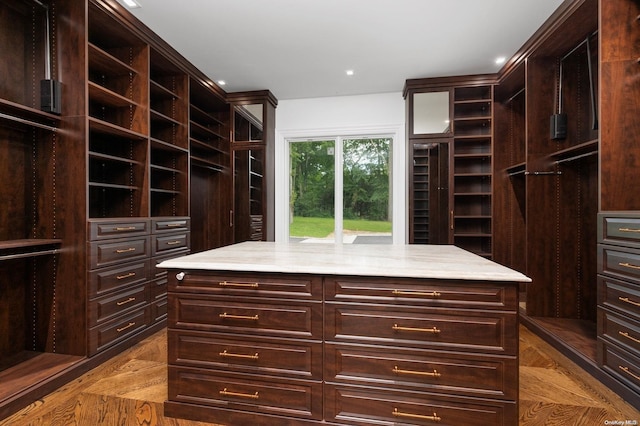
132,4
222,82
500,60
349,72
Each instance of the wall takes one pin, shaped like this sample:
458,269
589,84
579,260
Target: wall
363,115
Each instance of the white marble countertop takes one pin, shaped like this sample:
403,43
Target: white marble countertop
386,260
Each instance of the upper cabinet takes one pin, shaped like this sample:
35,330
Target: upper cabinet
429,112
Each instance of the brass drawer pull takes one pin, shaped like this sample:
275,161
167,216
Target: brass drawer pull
125,228
628,265
231,284
627,300
416,293
173,225
240,317
232,355
626,370
124,302
433,373
173,243
131,324
130,249
629,230
129,275
433,330
433,418
628,336
225,392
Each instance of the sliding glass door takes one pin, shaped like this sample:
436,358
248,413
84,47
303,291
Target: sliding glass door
340,190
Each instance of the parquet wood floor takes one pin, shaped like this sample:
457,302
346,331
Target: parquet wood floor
131,388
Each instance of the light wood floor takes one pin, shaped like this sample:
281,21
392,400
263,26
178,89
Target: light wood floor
130,389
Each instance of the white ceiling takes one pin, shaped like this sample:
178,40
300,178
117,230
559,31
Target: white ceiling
302,48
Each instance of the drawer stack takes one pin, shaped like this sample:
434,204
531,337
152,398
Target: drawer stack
242,344
619,296
420,351
126,295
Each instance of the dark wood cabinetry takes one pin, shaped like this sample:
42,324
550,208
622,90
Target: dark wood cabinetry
99,194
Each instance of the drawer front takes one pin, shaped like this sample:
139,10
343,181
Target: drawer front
107,253
362,406
619,296
302,399
106,280
158,289
107,307
620,364
249,285
115,331
423,292
459,374
276,357
297,320
170,224
107,229
620,230
623,331
159,310
163,244
619,262
455,330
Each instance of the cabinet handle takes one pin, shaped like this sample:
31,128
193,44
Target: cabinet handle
628,265
129,275
130,249
433,373
226,354
131,324
225,392
416,293
125,228
173,225
173,243
434,418
240,317
124,302
232,284
629,230
627,300
433,330
626,370
451,221
628,336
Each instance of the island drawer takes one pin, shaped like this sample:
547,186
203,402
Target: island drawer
367,406
436,293
249,285
278,357
619,262
459,374
299,398
284,319
460,330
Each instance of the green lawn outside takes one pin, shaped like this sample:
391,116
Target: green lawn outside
320,227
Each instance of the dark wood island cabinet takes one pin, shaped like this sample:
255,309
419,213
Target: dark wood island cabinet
272,333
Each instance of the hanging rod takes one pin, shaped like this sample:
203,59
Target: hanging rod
577,157
31,254
542,173
27,122
518,93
